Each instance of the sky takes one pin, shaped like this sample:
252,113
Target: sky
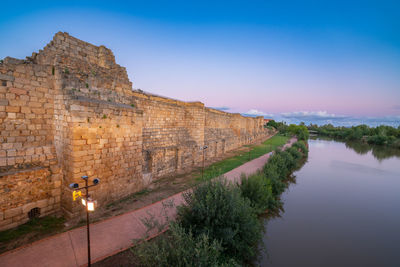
312,61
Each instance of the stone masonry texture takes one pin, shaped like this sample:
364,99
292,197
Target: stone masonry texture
69,110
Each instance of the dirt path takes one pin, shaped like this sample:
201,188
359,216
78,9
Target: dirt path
110,236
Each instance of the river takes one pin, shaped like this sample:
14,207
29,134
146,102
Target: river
343,210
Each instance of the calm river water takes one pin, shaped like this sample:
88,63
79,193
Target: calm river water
343,210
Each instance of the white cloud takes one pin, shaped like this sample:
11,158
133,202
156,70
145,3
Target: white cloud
258,113
323,117
311,115
222,108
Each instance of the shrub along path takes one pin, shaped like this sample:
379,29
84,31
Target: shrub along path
112,235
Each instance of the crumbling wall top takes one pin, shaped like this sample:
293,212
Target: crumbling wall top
64,44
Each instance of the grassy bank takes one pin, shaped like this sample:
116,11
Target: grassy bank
217,225
31,231
221,167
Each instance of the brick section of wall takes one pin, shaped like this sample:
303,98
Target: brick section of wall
69,110
174,132
29,172
27,189
104,140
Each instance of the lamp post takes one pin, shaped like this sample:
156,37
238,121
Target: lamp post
88,203
202,169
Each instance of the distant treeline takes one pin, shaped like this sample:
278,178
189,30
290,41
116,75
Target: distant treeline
381,135
300,131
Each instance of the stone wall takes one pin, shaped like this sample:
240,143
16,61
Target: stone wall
29,172
69,110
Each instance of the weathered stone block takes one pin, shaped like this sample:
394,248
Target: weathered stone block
6,77
42,203
12,212
27,207
12,109
5,223
18,91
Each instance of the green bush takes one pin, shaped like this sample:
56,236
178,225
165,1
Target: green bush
377,139
302,146
296,154
275,182
218,210
258,190
272,123
300,131
263,189
179,247
279,161
290,162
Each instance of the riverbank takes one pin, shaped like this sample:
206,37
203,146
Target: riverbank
76,236
341,210
209,203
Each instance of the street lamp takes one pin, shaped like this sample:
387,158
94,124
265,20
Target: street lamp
202,169
88,202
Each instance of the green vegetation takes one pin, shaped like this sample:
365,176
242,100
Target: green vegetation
381,135
33,229
221,167
217,225
264,188
300,131
181,248
258,191
216,208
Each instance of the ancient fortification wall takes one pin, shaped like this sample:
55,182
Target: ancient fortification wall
69,110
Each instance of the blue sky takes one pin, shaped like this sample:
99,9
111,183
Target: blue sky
300,60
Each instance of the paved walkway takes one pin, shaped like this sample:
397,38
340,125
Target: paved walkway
108,237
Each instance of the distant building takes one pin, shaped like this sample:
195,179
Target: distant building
266,121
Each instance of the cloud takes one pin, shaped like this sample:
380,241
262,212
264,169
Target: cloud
323,117
222,108
255,112
389,120
312,115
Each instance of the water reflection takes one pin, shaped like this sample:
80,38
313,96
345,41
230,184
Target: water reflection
379,152
341,210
